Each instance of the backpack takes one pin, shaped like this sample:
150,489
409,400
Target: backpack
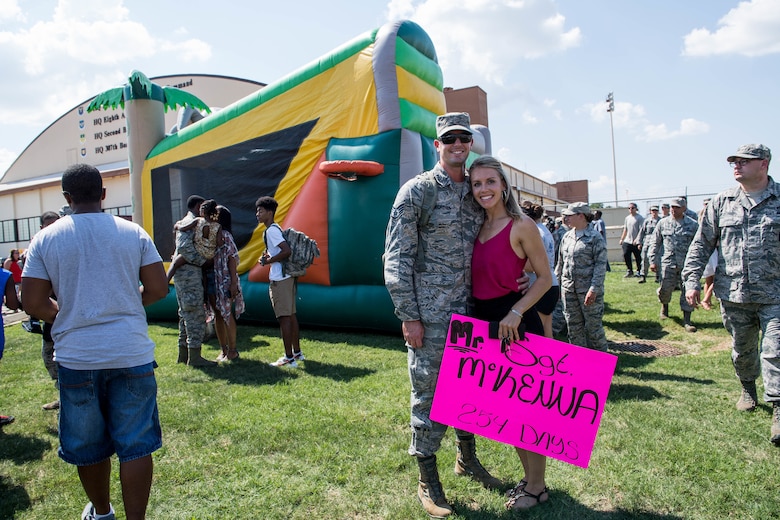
303,251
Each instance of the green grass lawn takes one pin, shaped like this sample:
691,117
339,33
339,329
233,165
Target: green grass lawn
328,440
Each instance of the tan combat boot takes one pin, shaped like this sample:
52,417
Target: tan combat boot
748,399
467,463
775,424
429,490
196,360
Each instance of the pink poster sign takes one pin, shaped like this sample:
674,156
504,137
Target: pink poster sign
542,395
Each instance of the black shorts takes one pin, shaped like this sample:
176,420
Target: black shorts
496,308
546,304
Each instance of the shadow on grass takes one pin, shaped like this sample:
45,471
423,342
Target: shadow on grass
560,505
21,449
253,372
634,366
644,329
14,498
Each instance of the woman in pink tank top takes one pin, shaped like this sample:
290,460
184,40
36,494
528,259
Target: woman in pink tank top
507,240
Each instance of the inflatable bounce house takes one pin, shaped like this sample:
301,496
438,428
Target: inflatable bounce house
332,142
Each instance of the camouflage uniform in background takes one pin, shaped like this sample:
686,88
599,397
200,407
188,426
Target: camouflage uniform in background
431,292
188,282
668,247
582,266
645,237
747,279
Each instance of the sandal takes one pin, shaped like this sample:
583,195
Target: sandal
514,502
517,489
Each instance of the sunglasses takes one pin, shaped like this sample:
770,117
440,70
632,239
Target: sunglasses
451,138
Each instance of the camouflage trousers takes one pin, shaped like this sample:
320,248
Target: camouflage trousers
584,322
188,282
424,364
47,353
644,252
671,279
750,354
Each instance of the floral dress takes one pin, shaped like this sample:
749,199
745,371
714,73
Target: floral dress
224,253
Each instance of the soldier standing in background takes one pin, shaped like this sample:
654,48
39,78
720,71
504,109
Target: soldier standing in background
645,236
674,233
743,225
188,282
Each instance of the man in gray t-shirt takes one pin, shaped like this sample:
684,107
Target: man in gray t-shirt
103,270
629,240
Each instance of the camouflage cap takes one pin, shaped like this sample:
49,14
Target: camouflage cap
751,151
665,205
576,207
453,121
653,208
679,202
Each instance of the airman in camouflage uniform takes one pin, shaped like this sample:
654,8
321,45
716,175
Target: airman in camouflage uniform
645,236
426,288
743,224
581,270
674,234
188,282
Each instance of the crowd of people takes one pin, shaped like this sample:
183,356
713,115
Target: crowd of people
470,255
478,253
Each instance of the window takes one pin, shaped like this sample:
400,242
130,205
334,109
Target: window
8,231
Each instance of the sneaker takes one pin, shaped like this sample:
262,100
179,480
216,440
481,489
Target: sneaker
6,419
284,361
299,356
689,327
643,280
89,513
54,405
629,274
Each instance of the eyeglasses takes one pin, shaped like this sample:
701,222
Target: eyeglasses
741,162
451,138
632,207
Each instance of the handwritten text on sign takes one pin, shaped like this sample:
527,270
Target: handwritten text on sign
542,395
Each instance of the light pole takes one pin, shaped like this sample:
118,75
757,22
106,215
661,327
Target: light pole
610,109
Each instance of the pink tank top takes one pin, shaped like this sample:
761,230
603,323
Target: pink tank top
495,267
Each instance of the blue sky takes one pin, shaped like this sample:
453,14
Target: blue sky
692,80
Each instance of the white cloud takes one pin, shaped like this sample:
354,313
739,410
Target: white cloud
659,132
750,29
487,38
529,118
10,10
633,118
7,157
96,32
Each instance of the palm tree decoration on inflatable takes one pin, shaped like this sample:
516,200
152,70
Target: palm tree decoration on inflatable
145,104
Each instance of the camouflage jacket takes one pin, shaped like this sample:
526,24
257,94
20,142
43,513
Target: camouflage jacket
673,236
748,243
582,265
646,231
442,285
185,245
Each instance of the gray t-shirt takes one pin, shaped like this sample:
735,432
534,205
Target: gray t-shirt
93,261
633,224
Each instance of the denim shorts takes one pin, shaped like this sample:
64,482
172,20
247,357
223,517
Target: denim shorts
108,411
